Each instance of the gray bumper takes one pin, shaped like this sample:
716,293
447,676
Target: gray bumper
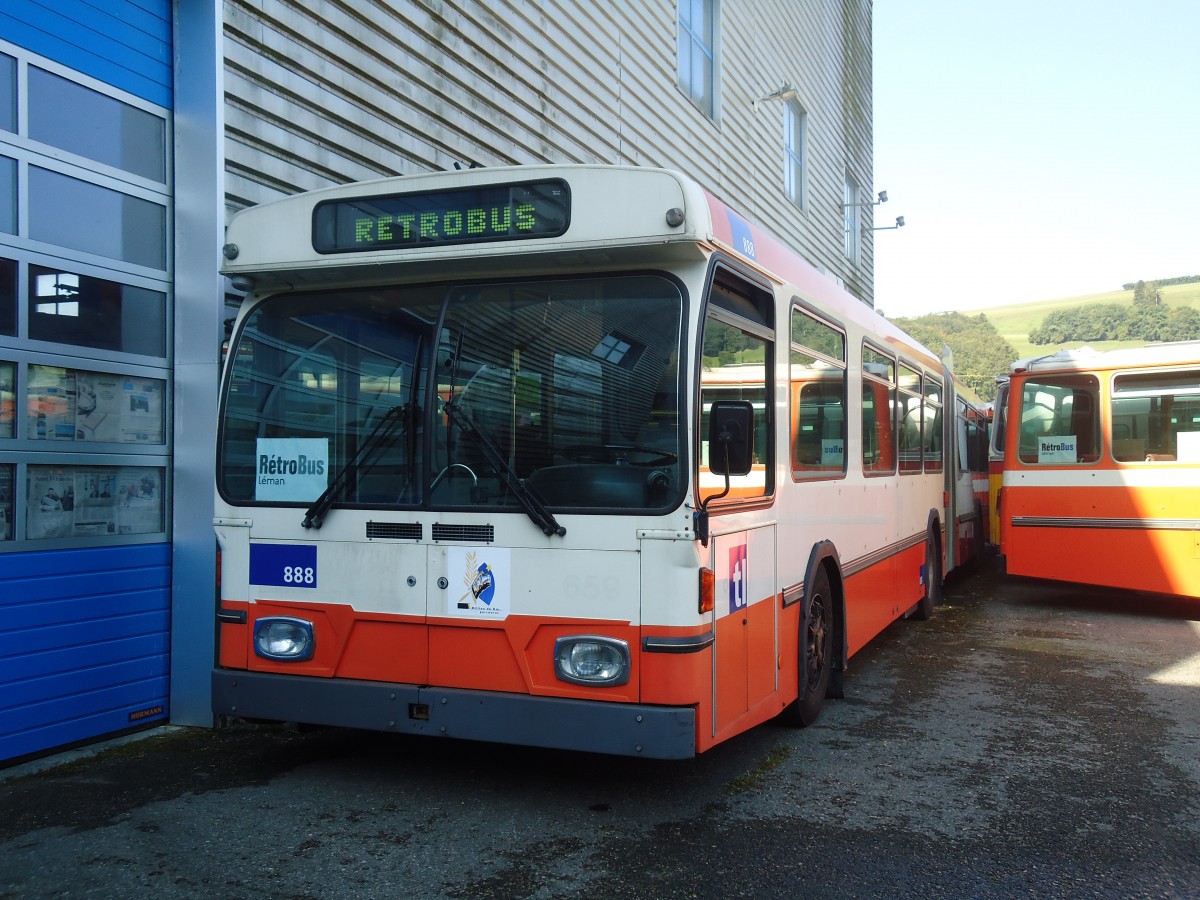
623,729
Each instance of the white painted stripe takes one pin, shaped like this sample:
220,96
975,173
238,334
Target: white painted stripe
1183,477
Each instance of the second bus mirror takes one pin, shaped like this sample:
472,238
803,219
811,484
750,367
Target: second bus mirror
731,437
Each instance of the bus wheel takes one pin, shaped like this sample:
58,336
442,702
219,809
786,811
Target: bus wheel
933,580
816,653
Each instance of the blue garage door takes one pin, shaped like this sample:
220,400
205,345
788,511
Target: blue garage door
85,370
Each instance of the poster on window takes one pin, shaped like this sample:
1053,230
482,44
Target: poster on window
7,400
49,502
6,494
118,408
51,394
91,501
69,405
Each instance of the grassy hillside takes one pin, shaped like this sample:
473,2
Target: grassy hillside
1016,321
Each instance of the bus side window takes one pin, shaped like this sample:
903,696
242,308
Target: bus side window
737,364
1085,426
1156,417
878,418
817,360
1056,412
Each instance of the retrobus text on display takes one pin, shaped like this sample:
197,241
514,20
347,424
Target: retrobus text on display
536,209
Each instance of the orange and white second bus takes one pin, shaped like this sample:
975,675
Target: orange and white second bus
1101,462
566,456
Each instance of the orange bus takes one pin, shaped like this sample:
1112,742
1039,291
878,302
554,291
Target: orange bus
1101,479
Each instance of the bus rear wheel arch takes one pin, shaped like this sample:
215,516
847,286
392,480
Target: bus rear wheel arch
820,624
932,574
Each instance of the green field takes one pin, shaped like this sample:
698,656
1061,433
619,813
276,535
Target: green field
1016,321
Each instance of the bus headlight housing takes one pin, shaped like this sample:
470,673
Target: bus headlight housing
591,660
284,638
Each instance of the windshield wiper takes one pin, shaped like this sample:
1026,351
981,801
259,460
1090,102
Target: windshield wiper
384,429
530,502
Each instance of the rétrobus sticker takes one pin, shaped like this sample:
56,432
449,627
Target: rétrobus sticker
291,469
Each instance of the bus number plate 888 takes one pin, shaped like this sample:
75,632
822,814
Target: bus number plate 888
284,565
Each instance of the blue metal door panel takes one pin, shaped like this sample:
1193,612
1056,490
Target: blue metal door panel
122,43
84,644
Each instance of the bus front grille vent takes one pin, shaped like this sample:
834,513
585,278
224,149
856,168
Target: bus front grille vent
397,531
483,533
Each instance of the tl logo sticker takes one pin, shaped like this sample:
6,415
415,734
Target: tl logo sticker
739,578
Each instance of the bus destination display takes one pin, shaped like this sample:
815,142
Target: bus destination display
507,212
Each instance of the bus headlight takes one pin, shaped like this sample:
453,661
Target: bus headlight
282,637
591,660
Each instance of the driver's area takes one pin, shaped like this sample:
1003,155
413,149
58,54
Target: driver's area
566,390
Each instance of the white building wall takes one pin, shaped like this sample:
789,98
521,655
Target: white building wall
326,92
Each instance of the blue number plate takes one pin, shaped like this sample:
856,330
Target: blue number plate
285,565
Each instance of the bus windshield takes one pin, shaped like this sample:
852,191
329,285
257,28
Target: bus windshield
459,395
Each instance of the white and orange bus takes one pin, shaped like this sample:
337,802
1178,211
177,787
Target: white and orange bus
566,456
1101,477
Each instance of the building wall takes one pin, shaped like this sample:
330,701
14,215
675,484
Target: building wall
319,94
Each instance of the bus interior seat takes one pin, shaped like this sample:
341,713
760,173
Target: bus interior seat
1129,449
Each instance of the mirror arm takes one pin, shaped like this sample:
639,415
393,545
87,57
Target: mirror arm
700,516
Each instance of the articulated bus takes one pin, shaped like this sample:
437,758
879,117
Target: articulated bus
563,456
1101,463
967,479
996,459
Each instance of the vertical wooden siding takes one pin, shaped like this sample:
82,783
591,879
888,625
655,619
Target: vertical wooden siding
344,90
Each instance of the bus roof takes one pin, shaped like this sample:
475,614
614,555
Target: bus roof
1086,358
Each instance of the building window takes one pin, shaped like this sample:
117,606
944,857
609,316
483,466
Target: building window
8,93
8,296
8,195
795,143
90,501
696,52
93,219
94,312
851,219
82,121
79,405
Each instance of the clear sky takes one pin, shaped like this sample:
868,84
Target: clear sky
1037,149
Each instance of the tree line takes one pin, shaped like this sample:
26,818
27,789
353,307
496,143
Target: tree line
1143,321
1162,282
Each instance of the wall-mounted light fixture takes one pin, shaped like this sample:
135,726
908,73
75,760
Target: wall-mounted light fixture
882,195
899,224
786,92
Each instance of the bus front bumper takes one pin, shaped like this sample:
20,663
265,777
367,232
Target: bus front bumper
622,729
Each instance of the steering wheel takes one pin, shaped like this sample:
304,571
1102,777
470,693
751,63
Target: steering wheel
610,453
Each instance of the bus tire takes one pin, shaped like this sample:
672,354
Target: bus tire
815,657
933,580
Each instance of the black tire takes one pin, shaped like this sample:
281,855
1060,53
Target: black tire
933,580
816,653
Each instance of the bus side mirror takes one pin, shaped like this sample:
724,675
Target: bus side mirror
731,437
